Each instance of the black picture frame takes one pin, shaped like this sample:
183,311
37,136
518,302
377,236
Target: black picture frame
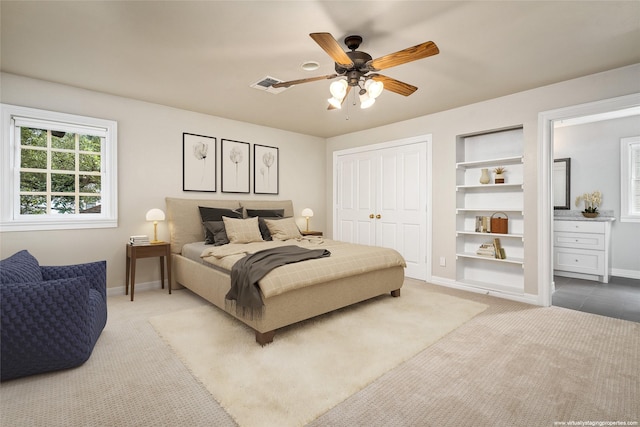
199,163
266,169
235,166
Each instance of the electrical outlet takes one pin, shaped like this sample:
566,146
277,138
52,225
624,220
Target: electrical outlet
443,261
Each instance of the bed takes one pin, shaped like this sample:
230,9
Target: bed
194,266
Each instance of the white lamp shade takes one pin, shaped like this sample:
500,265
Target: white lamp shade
155,215
307,213
335,102
374,88
366,101
338,89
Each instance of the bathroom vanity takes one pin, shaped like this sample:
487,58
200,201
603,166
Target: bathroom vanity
582,246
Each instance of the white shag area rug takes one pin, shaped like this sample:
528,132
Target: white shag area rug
312,366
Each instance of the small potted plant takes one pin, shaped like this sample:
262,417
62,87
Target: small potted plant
591,203
499,178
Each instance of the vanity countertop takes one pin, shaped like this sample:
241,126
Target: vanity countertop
562,215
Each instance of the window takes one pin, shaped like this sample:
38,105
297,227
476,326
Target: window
630,175
58,170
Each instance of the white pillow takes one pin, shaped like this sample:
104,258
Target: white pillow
242,230
283,229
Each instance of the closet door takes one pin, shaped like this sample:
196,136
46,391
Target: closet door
356,198
401,205
381,201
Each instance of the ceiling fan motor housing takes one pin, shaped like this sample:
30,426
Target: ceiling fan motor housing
359,60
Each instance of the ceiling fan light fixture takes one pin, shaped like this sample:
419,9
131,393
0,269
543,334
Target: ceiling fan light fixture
338,89
374,88
335,102
366,101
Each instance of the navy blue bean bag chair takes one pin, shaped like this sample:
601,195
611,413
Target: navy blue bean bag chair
51,316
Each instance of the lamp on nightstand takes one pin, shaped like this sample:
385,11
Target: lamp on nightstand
155,215
307,213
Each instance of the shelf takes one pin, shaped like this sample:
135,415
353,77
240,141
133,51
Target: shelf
465,210
491,162
475,152
477,233
518,261
491,186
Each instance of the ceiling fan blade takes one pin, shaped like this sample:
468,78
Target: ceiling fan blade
310,79
331,107
394,85
409,54
333,49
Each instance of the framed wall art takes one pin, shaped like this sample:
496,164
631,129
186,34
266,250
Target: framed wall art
266,169
198,162
235,166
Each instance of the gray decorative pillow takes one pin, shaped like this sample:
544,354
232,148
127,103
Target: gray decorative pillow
215,214
217,231
283,229
242,230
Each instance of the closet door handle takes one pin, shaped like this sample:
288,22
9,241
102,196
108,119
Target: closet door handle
378,216
371,216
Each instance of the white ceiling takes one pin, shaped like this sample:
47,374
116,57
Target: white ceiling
203,56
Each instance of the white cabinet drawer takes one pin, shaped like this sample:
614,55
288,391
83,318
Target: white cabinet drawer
579,226
579,261
578,240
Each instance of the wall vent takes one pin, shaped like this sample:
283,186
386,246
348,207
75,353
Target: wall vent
265,85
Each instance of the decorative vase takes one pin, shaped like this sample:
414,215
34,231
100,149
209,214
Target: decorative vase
590,214
499,178
484,178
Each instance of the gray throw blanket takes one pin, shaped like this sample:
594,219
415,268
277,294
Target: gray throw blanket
245,274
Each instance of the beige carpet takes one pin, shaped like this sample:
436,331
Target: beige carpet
312,366
511,365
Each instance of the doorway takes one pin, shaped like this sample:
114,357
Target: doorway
569,292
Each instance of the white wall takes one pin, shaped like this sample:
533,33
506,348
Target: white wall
594,149
150,168
517,109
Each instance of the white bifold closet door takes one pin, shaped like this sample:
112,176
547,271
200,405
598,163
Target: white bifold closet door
381,200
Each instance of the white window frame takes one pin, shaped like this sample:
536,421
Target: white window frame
10,217
629,180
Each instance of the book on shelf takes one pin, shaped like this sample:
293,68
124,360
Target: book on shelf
139,240
483,224
499,250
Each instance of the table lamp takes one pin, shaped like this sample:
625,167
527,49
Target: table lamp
155,215
307,213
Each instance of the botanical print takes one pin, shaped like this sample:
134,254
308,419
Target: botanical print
235,166
266,169
199,163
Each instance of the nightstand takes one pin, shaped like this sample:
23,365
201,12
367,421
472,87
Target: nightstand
311,233
162,250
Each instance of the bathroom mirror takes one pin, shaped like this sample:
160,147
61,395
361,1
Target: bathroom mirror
561,183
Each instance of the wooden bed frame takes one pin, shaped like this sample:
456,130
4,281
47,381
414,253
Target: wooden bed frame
280,310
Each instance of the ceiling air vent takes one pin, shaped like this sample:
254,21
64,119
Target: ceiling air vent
265,85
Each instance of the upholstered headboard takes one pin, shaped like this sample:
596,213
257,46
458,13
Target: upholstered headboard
184,221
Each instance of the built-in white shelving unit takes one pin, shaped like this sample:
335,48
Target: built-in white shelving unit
488,150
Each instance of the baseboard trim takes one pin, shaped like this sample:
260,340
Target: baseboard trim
629,274
140,287
525,298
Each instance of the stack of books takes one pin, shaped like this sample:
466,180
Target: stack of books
139,240
487,249
492,250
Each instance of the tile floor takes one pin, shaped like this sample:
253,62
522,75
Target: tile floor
620,298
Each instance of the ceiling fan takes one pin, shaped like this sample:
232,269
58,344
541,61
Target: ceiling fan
360,69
